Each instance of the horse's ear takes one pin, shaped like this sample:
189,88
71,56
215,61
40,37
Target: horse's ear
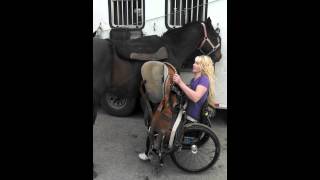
208,20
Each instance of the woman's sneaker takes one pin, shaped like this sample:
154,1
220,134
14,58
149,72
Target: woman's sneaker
143,157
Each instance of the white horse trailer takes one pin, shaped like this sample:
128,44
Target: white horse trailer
154,17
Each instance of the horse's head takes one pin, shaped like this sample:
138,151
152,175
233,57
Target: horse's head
191,40
211,41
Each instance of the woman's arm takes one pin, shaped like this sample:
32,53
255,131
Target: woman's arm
194,96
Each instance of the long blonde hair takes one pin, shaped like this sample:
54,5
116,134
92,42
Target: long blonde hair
207,69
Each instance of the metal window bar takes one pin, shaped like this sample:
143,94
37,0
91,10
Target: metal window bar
127,12
186,13
137,12
203,10
112,12
131,12
197,10
188,8
180,12
191,11
123,13
142,9
169,13
118,13
175,13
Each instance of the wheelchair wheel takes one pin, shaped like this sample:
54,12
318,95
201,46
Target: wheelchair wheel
192,157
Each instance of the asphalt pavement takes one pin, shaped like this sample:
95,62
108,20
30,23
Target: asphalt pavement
117,142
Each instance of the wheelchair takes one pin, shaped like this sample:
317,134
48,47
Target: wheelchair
193,146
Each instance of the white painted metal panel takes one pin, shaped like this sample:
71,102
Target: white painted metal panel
155,25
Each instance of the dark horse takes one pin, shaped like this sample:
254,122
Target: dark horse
117,72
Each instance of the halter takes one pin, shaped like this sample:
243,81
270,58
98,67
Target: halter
206,39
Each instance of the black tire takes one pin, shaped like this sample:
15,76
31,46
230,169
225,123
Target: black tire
118,106
191,151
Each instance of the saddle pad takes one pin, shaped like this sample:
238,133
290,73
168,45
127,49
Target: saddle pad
154,73
161,54
146,44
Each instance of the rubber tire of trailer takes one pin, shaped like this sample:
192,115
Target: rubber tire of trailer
110,104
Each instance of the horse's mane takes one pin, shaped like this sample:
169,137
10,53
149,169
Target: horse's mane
176,30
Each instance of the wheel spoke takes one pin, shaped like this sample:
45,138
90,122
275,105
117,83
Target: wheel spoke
201,154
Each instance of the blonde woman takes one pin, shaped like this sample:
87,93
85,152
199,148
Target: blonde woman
201,89
201,86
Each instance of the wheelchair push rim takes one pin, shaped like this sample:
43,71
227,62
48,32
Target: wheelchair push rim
193,157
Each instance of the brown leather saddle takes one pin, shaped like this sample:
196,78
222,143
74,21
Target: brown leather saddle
158,78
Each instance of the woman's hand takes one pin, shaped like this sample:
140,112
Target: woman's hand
177,79
193,95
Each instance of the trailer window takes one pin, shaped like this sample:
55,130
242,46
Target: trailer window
126,14
181,12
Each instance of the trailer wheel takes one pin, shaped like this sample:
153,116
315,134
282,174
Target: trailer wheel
118,106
